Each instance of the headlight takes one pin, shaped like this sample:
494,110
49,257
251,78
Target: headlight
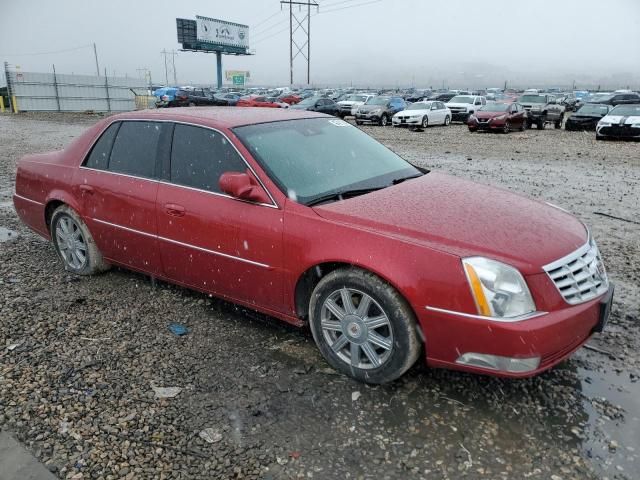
536,108
604,124
499,290
415,116
472,117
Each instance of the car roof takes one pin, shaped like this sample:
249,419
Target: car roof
221,117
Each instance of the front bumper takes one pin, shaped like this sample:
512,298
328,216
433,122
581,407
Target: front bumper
551,337
408,122
582,124
460,116
367,118
490,124
618,131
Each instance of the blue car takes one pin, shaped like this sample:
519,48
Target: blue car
165,96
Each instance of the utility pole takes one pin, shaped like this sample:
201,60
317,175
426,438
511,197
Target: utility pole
300,25
95,54
168,68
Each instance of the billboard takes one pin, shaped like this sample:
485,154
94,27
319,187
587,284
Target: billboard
229,74
222,33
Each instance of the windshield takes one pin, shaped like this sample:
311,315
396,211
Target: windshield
626,110
309,101
377,101
461,99
419,106
311,158
597,109
533,99
601,97
495,107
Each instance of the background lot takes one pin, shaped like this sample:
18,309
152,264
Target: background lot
77,390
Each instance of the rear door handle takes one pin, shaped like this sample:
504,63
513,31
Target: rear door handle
86,189
174,210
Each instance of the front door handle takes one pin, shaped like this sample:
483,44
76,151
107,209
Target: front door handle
174,210
86,189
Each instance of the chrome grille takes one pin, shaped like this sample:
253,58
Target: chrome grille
580,276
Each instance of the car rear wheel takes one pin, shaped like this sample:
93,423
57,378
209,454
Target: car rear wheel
363,327
74,244
384,120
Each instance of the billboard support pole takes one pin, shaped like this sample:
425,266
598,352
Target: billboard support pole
219,65
55,87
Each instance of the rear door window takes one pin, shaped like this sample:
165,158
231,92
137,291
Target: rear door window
200,155
135,149
99,156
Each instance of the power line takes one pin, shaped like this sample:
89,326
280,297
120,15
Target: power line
46,53
348,6
267,19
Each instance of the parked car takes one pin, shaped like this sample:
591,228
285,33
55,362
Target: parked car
289,98
351,102
165,96
442,97
587,117
617,99
503,117
420,115
257,101
463,106
622,121
379,110
310,220
317,104
195,97
228,99
541,109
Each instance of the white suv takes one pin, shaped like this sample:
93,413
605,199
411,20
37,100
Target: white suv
463,106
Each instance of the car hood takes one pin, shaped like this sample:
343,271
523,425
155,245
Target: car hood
297,106
349,103
616,119
466,219
370,108
411,113
455,104
482,114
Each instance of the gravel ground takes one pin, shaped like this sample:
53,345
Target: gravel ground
80,356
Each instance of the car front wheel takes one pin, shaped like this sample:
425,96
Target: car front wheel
384,120
447,120
363,327
74,244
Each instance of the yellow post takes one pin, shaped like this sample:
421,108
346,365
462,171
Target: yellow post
1,104
15,105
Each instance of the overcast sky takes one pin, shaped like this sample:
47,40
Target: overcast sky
457,43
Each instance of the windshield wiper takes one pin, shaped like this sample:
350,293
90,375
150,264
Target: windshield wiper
396,181
342,195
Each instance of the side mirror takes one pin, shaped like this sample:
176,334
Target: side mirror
243,186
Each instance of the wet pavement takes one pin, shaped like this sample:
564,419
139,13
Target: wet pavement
81,355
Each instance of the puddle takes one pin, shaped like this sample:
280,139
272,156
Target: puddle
7,235
623,456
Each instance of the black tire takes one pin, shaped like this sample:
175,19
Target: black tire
191,104
507,127
529,123
384,120
94,263
558,124
523,126
425,122
599,137
403,338
540,124
447,121
358,122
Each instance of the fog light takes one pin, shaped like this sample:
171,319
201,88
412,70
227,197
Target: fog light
496,362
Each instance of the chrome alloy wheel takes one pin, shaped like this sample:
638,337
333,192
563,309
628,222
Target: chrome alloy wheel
71,243
356,328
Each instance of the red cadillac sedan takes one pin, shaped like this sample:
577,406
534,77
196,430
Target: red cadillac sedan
306,218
